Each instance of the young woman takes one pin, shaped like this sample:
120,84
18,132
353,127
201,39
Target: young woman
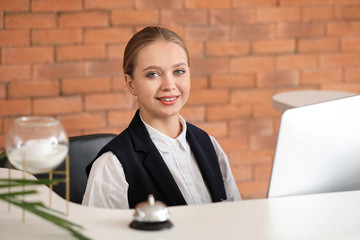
159,153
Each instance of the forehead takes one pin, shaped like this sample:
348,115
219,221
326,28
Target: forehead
161,53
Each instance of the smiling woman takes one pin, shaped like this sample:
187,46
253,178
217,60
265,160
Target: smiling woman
159,153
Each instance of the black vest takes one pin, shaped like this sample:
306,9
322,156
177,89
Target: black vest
147,173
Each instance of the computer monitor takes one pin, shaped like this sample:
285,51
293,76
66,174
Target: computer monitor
318,149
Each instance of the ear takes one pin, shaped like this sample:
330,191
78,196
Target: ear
130,83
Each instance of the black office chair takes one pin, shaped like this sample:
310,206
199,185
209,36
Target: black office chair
82,150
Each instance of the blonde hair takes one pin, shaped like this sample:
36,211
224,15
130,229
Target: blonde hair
144,38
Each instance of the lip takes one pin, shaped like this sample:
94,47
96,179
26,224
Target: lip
168,100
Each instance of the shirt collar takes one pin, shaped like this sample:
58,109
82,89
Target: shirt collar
165,143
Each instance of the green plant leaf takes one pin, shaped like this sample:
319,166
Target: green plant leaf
38,208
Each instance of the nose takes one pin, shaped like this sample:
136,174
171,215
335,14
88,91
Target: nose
168,83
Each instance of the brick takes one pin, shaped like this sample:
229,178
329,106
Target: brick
251,96
207,4
317,3
343,29
56,6
158,4
209,96
30,20
83,121
345,59
242,173
204,33
311,14
57,105
59,70
1,20
108,35
34,89
134,17
15,107
197,16
56,36
305,3
84,19
348,87
14,5
253,31
233,143
215,129
108,101
263,172
11,38
301,30
350,44
195,49
262,142
85,85
194,113
254,3
199,82
227,48
245,157
347,12
274,46
116,51
210,65
27,55
80,52
122,117
321,76
276,14
254,187
107,4
245,80
278,78
250,127
2,96
297,61
352,74
118,84
14,72
227,112
114,130
109,68
318,45
252,64
265,109
231,16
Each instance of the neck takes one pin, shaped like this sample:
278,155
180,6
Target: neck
170,126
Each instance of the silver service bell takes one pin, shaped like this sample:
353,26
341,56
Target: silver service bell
151,215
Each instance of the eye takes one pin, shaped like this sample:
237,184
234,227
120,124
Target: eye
179,71
152,74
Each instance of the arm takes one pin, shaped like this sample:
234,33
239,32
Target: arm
106,186
229,182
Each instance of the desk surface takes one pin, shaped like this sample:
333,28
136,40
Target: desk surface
286,100
320,216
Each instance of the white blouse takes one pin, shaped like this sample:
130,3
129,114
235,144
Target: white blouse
107,186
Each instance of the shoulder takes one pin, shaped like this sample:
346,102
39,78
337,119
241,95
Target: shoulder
194,129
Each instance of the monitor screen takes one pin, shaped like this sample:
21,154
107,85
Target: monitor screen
318,149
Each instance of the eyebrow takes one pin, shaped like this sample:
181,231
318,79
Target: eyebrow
156,67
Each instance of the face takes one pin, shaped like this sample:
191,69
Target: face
161,80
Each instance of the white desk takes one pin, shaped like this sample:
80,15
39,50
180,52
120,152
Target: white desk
286,100
322,216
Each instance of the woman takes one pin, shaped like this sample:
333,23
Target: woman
159,153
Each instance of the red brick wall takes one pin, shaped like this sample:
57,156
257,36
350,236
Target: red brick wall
63,58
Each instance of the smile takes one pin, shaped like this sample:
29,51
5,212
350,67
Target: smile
168,100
